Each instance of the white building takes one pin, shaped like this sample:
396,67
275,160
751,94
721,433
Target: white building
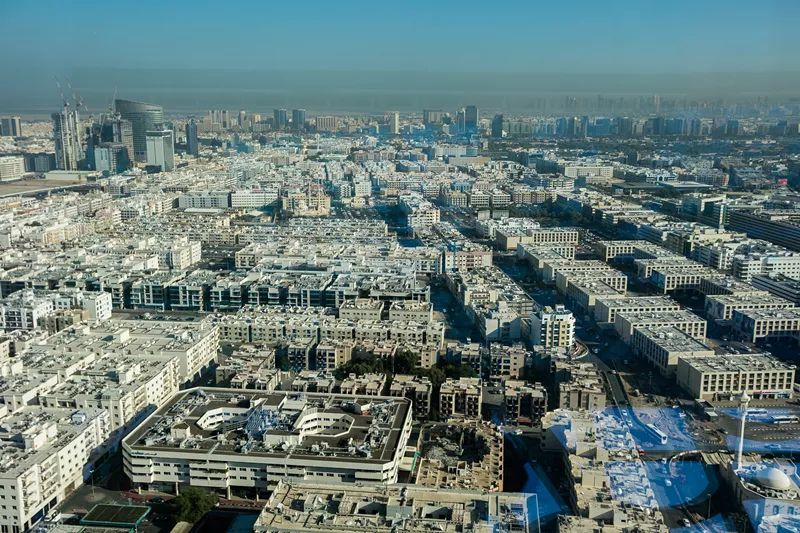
161,149
246,441
46,454
12,167
553,327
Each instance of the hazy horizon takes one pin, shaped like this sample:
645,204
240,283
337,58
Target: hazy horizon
340,91
357,56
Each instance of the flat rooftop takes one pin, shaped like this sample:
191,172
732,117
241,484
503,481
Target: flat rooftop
737,363
672,339
275,424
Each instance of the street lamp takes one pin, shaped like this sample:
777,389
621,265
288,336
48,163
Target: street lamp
744,400
538,513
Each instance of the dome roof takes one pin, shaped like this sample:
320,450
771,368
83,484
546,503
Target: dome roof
773,478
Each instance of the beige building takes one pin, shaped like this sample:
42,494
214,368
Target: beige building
626,322
755,324
662,346
607,307
361,309
722,306
727,376
461,398
417,389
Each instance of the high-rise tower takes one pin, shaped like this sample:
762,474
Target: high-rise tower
66,137
143,118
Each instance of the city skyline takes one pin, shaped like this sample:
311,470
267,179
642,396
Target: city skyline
380,267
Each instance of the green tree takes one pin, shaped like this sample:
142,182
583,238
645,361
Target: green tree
194,503
405,362
282,362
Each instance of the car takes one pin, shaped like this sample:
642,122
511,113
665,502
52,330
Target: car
157,499
685,522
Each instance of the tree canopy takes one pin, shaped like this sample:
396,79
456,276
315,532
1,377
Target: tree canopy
194,503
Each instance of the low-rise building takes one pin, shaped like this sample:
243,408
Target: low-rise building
607,307
756,324
525,403
230,440
721,306
418,389
728,376
662,346
626,322
461,398
307,508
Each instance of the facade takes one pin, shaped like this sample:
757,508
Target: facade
298,119
111,158
361,309
11,127
230,440
417,389
525,403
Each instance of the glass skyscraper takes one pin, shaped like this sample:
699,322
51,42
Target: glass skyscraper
143,118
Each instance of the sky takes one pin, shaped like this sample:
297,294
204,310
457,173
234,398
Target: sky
552,36
87,41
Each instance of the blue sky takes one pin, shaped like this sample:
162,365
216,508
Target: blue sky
619,36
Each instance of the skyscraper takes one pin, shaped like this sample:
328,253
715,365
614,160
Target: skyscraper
11,127
143,118
192,145
461,118
471,119
281,117
116,129
66,138
394,123
497,127
298,119
160,149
